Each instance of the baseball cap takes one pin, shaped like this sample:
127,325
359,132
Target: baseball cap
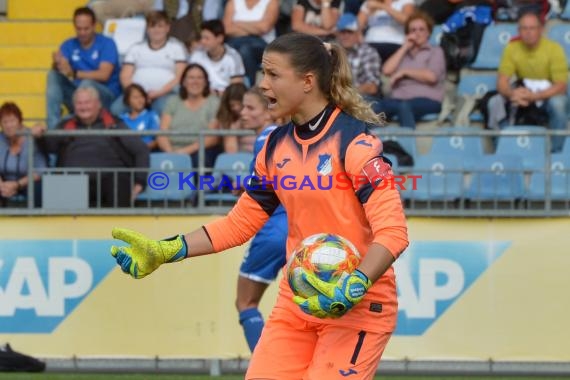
347,21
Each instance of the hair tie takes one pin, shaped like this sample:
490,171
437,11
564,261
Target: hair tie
328,46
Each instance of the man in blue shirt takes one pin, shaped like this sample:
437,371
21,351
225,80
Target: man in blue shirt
89,59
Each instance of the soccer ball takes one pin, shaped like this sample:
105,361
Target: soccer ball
329,256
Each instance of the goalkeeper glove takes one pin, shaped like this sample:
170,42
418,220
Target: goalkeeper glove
144,255
334,300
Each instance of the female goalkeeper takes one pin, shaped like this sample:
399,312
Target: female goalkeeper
327,137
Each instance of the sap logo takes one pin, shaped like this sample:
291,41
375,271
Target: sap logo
432,275
43,281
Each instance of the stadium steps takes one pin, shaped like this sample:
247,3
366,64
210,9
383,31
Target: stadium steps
42,9
35,33
33,106
33,30
26,57
20,82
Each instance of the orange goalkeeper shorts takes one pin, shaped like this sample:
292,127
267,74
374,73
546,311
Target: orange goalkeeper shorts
291,348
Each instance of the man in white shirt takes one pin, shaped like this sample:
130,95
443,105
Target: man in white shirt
223,63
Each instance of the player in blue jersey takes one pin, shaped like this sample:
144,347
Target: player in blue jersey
266,254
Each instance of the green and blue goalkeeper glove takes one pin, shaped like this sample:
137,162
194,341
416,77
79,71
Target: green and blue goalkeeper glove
334,300
144,255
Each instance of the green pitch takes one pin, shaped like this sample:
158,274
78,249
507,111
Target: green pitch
73,376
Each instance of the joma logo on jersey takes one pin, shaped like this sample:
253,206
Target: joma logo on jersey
42,282
432,275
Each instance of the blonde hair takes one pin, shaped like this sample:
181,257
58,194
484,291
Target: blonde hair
329,63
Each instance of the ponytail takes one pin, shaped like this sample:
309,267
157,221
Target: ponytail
343,93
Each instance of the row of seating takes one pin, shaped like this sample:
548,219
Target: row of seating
467,143
170,165
496,177
496,37
456,168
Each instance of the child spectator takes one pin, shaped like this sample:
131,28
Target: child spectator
156,64
140,117
223,63
228,117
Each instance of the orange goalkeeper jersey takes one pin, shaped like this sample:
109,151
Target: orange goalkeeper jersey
330,183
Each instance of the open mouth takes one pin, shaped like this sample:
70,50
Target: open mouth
272,101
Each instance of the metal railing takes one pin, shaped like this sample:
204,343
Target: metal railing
461,206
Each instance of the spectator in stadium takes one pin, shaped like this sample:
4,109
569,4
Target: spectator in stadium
352,6
192,110
283,24
187,15
109,9
101,152
512,10
541,66
319,337
316,17
363,59
266,253
14,179
140,117
250,26
228,118
384,22
156,64
223,63
89,59
417,75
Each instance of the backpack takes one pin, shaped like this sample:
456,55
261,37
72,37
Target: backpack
460,47
531,115
12,361
393,147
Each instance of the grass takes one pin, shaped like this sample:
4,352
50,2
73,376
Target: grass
149,376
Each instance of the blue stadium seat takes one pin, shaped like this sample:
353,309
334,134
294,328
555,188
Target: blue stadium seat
394,161
234,167
565,15
390,133
497,177
566,147
441,178
495,37
170,164
476,84
467,148
516,141
435,37
561,34
559,180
